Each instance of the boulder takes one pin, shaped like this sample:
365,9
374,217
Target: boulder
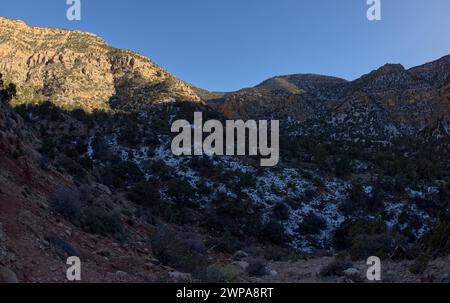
7,275
353,274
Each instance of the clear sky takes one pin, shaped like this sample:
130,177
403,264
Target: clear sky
225,45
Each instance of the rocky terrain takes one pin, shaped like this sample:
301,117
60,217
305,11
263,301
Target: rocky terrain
78,70
387,102
86,170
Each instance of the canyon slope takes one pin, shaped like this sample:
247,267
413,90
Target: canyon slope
391,99
77,70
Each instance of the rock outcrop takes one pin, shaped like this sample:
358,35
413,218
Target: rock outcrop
404,101
74,70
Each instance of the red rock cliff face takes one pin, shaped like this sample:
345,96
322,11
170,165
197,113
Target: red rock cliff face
410,99
79,70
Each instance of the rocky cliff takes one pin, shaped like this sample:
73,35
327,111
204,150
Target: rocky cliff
74,69
405,100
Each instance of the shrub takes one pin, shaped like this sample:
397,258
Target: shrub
357,193
319,183
129,135
48,148
359,201
364,238
67,203
44,163
277,253
144,193
352,228
437,241
281,212
444,194
183,251
420,264
231,207
312,224
126,172
257,268
100,147
376,201
99,221
8,93
181,191
246,180
274,233
227,243
343,166
365,246
72,167
221,274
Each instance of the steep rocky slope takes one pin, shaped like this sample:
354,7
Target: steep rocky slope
386,101
79,70
34,243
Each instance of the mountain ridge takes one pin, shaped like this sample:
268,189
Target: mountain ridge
75,69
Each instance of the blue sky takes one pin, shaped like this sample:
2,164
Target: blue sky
225,45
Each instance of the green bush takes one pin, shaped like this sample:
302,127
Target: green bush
129,135
221,274
360,202
364,238
273,233
257,268
312,224
8,93
437,241
278,253
181,191
364,246
281,212
99,221
420,264
72,167
246,180
144,193
227,243
183,251
67,203
126,172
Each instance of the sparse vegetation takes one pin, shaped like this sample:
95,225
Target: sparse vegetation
312,224
257,268
102,222
67,203
184,251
